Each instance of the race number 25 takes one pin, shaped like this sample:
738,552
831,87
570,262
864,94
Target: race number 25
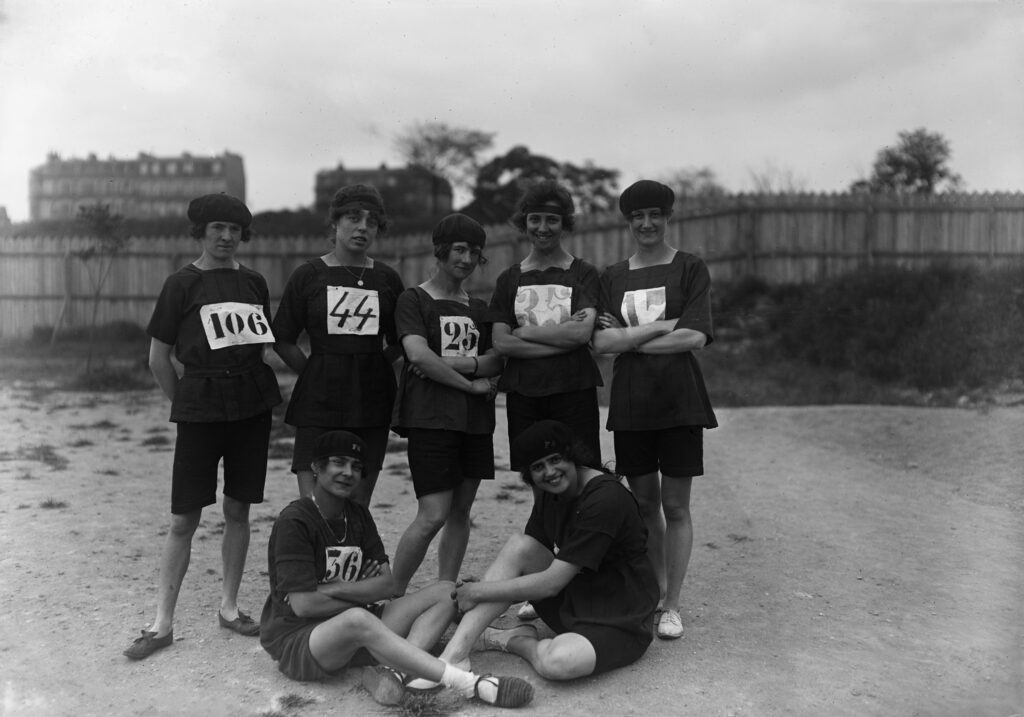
233,323
459,336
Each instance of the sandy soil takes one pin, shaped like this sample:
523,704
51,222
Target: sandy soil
847,561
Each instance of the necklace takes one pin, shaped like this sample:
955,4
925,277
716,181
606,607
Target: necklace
327,523
358,277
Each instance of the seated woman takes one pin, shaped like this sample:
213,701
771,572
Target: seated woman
581,561
328,577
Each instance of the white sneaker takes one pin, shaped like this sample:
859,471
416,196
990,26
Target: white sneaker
422,685
527,612
494,638
670,625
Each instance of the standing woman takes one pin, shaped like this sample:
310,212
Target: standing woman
543,310
445,404
345,302
214,315
655,311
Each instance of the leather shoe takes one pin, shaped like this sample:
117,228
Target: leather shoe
243,624
148,644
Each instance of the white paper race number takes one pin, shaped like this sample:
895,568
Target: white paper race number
543,304
352,311
343,563
459,336
643,306
232,323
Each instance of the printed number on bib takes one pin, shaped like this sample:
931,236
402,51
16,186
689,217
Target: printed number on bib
643,306
343,563
459,336
543,305
352,311
233,323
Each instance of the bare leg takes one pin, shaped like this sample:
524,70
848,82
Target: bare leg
565,657
234,549
675,495
431,515
451,548
173,565
306,482
364,491
647,489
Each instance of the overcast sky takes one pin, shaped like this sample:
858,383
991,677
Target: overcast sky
813,89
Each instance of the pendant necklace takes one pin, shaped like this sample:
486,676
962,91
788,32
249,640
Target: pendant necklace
327,523
358,277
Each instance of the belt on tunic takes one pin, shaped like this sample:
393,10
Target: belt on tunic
196,372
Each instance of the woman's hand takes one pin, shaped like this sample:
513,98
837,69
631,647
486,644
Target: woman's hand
480,387
371,569
607,321
464,597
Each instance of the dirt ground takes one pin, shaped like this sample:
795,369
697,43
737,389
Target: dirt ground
848,560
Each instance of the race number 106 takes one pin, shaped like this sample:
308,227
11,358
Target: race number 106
233,323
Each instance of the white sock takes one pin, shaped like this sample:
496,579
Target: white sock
465,683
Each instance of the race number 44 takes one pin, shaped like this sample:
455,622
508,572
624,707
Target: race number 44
232,323
352,311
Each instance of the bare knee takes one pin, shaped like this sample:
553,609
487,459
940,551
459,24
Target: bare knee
235,511
562,662
183,525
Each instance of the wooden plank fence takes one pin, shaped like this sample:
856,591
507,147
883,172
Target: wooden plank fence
778,238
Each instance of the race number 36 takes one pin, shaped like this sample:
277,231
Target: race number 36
352,311
643,306
459,336
232,323
343,563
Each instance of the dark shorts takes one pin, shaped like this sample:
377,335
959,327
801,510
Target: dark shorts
297,662
613,647
376,438
576,409
198,451
441,460
676,451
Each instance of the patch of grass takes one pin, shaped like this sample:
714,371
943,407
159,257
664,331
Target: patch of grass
437,704
292,701
156,441
503,495
53,503
81,443
25,476
44,454
111,378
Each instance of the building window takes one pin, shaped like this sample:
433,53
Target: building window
143,169
216,167
172,168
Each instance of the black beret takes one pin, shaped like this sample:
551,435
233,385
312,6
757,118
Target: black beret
339,443
542,439
646,194
458,227
358,196
219,208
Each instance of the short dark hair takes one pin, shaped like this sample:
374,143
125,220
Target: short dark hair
361,196
198,231
444,249
546,191
575,452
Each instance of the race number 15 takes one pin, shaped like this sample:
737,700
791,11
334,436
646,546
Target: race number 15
232,323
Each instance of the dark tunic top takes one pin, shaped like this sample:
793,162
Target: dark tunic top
347,380
651,392
451,329
305,551
601,532
540,297
218,322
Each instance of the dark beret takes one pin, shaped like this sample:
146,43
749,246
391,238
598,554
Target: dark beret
358,196
219,208
542,439
458,227
339,443
646,194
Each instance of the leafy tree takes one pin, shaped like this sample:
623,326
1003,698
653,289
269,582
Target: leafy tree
773,179
444,151
106,229
917,164
696,184
500,182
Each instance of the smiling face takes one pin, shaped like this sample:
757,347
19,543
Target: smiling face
554,474
648,225
544,230
355,230
220,240
338,476
462,260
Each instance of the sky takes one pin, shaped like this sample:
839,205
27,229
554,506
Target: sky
808,90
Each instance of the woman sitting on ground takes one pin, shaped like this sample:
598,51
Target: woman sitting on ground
329,584
581,562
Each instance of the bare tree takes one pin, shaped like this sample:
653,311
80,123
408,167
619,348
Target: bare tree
773,179
449,152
